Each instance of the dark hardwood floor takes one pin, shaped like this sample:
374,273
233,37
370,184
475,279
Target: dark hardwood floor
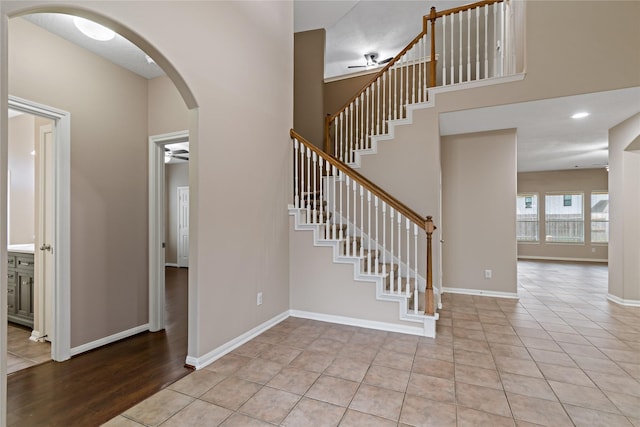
94,387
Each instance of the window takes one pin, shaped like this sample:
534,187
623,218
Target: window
564,218
527,218
599,217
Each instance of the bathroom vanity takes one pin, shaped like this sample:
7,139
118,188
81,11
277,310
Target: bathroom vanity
20,284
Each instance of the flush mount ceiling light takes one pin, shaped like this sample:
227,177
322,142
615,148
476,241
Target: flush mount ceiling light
580,115
149,59
93,30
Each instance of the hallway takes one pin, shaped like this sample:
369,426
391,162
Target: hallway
561,355
93,387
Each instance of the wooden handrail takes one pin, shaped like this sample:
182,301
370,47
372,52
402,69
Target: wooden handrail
353,174
464,8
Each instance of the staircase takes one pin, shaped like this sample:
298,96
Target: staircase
387,243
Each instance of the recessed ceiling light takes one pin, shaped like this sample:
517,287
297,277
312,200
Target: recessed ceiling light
580,115
93,30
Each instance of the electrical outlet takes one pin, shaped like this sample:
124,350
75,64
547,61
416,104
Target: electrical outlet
259,299
488,274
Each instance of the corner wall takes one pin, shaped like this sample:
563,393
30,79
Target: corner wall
478,213
308,78
624,234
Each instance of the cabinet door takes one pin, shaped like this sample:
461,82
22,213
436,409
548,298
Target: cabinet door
24,294
11,299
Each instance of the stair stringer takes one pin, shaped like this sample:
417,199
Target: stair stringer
427,324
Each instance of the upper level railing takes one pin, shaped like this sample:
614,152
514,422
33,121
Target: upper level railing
370,223
464,44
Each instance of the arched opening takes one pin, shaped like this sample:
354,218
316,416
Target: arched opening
94,195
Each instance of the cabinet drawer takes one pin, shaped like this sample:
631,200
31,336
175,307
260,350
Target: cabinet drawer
11,277
24,262
11,261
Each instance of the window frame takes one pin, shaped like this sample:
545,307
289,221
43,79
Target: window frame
591,221
524,195
563,203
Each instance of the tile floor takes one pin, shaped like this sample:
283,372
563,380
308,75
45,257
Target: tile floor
22,352
560,355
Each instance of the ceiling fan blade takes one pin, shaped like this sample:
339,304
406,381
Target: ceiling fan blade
180,157
180,151
357,66
385,61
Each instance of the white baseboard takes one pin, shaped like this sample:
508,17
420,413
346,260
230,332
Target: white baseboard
622,301
217,353
370,324
479,292
171,264
549,258
108,340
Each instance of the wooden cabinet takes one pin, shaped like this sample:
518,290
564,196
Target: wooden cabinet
20,288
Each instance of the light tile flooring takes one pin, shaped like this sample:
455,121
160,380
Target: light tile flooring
22,352
560,355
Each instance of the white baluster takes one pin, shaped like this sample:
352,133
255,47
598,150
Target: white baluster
486,41
460,47
296,160
361,220
399,217
378,117
495,40
444,50
384,100
391,260
319,188
415,263
377,258
313,201
502,37
308,183
367,127
341,230
384,238
395,90
355,220
362,122
408,283
333,201
357,128
477,43
340,135
452,77
415,50
369,231
418,82
406,84
468,14
400,88
347,243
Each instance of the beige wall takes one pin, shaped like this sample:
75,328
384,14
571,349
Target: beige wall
22,169
624,233
584,181
234,253
478,211
318,285
338,92
108,107
308,117
176,175
167,111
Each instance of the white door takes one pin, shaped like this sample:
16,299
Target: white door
44,244
183,226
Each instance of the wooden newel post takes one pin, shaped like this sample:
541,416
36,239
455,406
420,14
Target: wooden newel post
429,306
432,64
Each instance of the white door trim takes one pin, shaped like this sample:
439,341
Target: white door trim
61,328
156,224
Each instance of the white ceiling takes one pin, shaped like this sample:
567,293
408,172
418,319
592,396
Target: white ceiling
547,138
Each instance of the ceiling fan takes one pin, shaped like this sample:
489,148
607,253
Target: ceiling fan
176,154
371,61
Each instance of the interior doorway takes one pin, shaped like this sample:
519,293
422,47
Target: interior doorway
44,296
159,155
